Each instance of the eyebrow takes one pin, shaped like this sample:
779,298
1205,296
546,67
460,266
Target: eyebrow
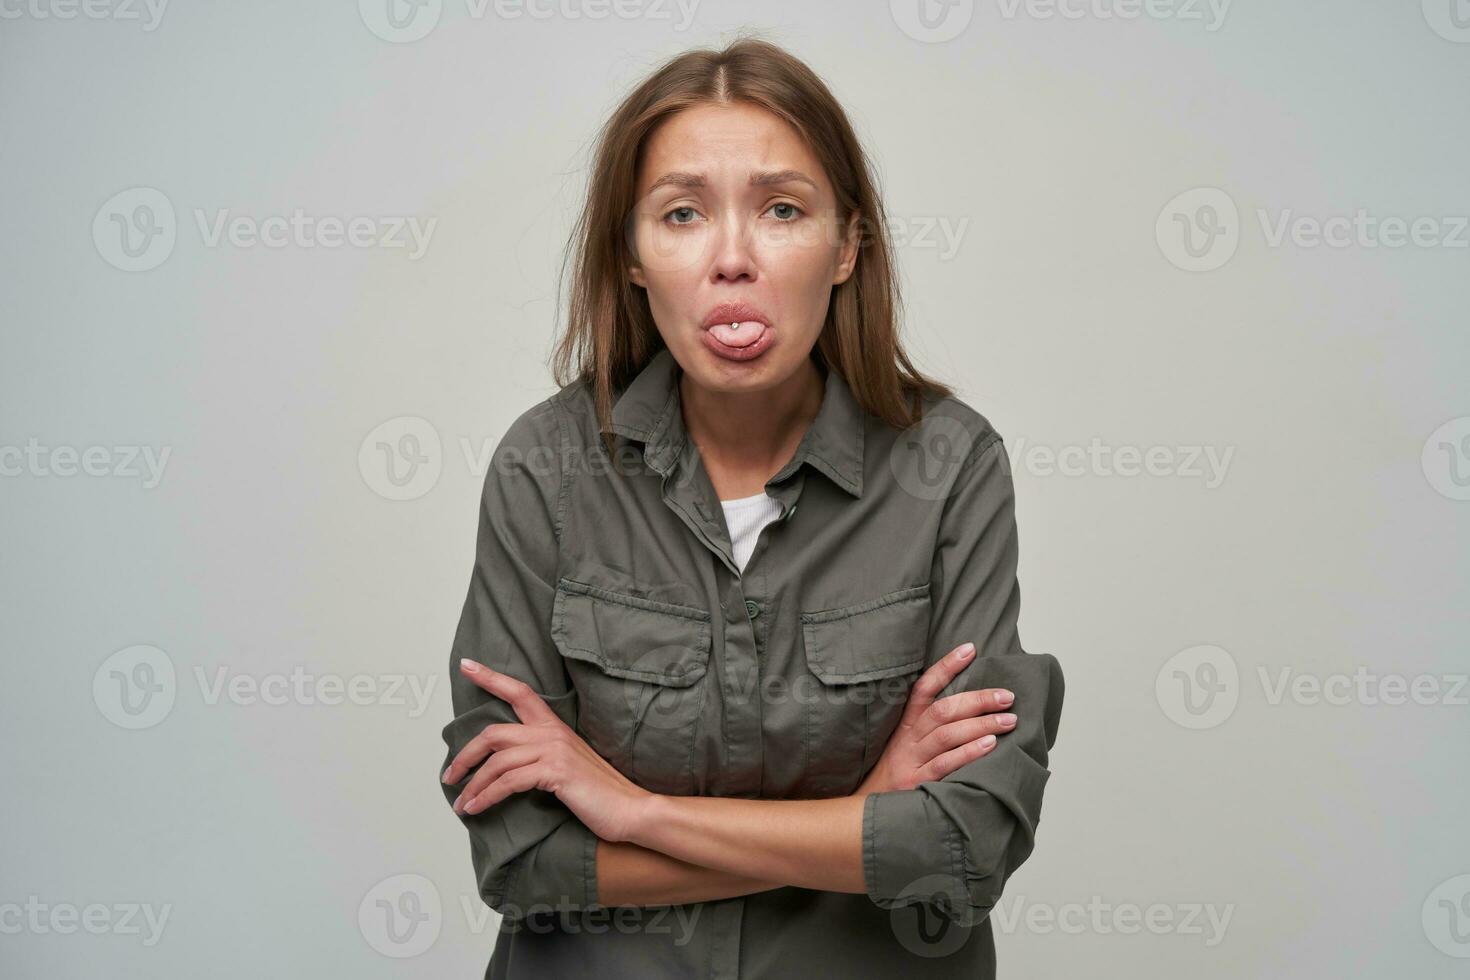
759,178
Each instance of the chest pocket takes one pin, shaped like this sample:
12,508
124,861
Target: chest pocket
864,659
639,668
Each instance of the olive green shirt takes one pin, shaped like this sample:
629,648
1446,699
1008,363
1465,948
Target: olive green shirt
607,582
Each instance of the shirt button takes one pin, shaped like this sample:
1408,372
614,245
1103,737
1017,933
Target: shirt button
752,609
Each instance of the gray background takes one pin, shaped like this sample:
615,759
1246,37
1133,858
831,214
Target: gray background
1033,166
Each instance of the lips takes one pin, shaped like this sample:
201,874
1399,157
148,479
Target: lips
728,313
737,331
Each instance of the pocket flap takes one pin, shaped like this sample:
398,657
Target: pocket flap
629,636
884,637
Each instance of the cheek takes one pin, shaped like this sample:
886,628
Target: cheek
669,257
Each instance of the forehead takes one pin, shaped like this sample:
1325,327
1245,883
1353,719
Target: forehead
725,142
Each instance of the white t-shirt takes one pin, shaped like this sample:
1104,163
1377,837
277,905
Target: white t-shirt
746,516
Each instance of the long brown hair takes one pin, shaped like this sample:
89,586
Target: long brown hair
610,333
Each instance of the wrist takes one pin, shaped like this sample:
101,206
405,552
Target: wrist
647,815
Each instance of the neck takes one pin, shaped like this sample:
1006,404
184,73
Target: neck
755,430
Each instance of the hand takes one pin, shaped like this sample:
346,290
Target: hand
542,752
934,738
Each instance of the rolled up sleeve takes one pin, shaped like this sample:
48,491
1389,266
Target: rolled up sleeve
530,852
953,842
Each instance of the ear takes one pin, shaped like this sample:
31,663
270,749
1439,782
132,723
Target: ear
847,259
635,273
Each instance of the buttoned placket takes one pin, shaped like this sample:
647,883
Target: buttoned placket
690,494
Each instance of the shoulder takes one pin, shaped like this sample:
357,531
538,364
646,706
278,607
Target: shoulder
954,428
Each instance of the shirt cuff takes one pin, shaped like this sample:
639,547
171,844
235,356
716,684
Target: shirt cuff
558,874
911,853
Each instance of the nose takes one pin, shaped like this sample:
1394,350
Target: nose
734,257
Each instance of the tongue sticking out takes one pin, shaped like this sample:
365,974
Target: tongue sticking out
738,334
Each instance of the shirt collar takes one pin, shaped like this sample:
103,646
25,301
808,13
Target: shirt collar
648,410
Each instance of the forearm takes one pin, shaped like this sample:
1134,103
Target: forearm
630,874
807,843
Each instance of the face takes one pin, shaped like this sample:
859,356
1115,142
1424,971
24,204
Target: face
736,223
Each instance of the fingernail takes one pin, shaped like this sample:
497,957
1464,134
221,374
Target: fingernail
469,665
1006,719
445,778
987,741
966,651
459,803
1005,697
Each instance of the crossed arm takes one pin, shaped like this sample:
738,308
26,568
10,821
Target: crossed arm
662,850
702,848
968,826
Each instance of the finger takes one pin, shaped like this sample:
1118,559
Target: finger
498,765
964,704
933,680
945,763
956,733
490,738
516,781
528,705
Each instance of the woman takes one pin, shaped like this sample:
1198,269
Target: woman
737,684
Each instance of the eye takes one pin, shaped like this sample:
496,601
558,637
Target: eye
681,210
797,212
